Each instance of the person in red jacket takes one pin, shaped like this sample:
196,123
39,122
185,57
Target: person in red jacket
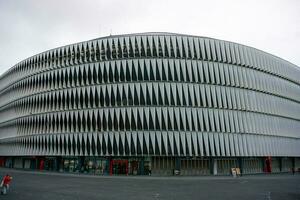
5,183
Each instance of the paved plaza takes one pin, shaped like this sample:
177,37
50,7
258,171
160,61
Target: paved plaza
59,186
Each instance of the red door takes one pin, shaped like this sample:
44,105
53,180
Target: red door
118,167
268,168
42,164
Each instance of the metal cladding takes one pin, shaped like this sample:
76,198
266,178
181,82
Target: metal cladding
159,94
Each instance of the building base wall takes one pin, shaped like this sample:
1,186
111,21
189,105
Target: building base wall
155,165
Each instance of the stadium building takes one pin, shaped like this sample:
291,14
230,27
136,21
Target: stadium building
158,103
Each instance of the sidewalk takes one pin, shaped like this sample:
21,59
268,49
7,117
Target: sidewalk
210,177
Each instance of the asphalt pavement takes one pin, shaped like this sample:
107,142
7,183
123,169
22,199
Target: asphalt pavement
29,185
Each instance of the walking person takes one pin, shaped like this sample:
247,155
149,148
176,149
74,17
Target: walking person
5,184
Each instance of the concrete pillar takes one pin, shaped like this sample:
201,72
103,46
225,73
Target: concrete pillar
263,160
240,164
280,164
215,167
141,167
177,163
293,163
59,164
80,163
13,162
177,166
107,167
23,163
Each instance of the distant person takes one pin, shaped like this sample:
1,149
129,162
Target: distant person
5,184
293,170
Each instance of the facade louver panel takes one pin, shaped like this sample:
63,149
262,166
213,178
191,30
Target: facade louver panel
152,94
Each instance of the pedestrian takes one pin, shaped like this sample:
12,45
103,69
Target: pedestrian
5,184
293,170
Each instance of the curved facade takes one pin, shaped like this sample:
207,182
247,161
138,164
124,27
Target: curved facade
157,95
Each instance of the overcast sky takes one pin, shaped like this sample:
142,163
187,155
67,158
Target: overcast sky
32,26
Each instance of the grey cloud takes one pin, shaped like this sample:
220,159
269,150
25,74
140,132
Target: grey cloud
33,26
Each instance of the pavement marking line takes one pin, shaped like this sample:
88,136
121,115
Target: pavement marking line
244,182
156,196
268,196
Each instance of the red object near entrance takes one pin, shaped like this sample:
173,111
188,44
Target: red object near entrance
111,167
118,167
2,162
42,165
268,168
